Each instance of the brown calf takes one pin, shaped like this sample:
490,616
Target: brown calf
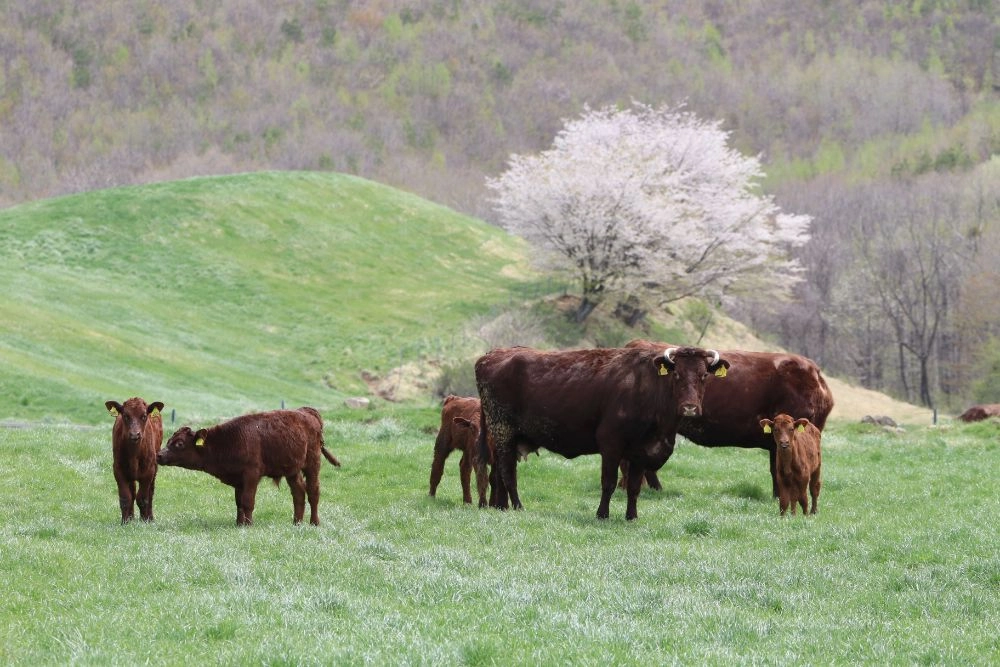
980,412
241,451
797,460
135,441
461,420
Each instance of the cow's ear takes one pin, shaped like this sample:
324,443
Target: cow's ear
199,438
154,408
462,421
114,407
720,368
766,424
800,424
663,364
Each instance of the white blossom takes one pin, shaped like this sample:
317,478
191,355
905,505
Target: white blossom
649,200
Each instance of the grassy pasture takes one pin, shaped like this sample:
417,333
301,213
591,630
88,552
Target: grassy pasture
900,566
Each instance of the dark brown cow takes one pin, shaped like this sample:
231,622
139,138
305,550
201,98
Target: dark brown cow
797,443
623,404
757,386
241,451
980,412
135,440
460,424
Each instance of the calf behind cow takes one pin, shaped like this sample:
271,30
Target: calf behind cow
797,448
757,386
241,451
461,420
135,441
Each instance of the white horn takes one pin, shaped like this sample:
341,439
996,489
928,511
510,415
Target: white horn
669,354
715,357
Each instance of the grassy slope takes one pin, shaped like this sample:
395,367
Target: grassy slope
222,295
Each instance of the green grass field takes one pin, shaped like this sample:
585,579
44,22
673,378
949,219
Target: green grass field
900,566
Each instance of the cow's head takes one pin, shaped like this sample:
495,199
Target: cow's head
134,415
688,368
782,429
184,448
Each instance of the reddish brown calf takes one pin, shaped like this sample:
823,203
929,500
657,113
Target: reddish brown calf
461,420
980,412
241,451
135,441
797,460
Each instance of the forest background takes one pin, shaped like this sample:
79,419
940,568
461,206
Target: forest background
881,120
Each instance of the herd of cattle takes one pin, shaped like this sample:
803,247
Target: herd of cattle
627,404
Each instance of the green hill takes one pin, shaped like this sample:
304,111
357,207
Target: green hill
221,295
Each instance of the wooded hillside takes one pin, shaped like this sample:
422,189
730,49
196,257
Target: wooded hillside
879,119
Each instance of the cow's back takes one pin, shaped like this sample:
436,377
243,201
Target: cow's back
274,442
556,400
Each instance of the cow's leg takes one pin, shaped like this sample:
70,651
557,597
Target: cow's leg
441,452
144,499
507,462
783,500
246,494
814,485
312,490
634,486
483,484
465,472
609,481
298,488
803,499
773,456
498,492
653,480
126,497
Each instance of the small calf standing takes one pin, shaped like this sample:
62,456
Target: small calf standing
135,441
461,420
239,452
798,460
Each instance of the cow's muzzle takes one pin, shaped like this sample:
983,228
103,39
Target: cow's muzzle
689,410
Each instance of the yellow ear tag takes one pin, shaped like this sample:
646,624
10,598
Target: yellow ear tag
767,429
801,427
113,410
200,442
155,412
720,372
664,370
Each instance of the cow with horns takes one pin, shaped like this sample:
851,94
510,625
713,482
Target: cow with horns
624,404
758,386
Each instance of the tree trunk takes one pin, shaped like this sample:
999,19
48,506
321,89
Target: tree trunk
585,308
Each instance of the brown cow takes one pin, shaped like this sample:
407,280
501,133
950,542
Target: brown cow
619,403
460,424
980,412
241,451
135,440
799,460
757,386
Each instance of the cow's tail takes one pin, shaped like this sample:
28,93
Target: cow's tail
322,445
329,457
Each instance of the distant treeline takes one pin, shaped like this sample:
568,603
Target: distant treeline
854,107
